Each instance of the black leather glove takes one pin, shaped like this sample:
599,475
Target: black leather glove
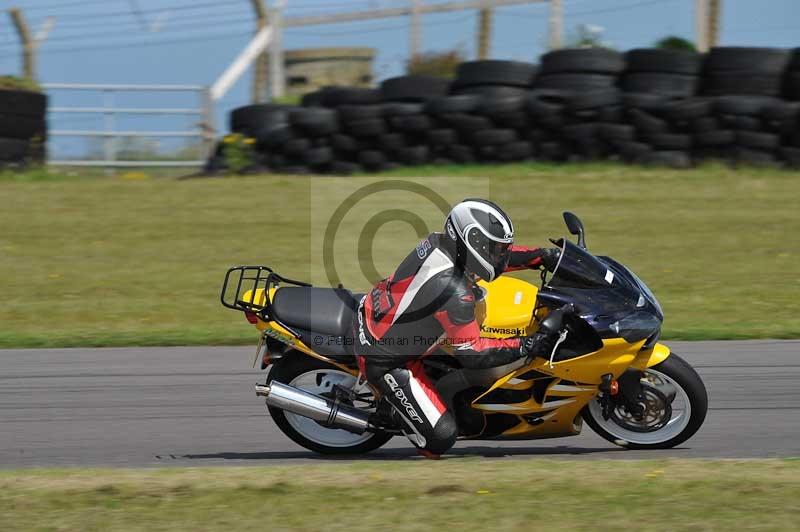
550,258
538,344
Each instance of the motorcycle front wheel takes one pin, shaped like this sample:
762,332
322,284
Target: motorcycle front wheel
668,419
317,377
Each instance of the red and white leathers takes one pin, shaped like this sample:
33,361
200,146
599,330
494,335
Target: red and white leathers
428,301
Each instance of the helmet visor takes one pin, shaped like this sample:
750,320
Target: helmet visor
496,254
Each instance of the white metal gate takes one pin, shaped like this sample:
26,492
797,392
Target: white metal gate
203,128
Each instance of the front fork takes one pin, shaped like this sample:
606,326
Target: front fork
626,391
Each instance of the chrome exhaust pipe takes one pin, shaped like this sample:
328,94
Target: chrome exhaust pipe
329,413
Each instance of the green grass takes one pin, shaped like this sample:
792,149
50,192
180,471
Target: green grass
51,173
111,261
454,494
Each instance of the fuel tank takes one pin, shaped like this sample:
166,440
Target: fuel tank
507,307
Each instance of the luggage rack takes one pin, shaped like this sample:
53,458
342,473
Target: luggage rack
252,278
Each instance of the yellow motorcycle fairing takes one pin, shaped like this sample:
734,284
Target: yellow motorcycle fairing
560,390
647,358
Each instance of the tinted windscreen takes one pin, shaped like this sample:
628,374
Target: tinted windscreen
579,269
605,293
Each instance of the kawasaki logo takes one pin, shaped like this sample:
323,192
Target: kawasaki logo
504,330
400,394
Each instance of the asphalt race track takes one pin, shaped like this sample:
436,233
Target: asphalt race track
196,407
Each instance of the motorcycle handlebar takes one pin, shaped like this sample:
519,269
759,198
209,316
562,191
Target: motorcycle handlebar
553,322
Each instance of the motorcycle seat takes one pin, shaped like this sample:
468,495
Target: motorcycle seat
321,310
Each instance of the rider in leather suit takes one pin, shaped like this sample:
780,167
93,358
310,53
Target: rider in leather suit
429,301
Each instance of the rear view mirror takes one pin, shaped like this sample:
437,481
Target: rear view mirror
575,227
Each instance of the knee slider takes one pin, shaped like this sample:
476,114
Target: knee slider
397,378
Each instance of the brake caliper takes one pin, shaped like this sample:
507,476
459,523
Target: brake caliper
608,391
632,393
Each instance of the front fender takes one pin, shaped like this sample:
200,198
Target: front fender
647,358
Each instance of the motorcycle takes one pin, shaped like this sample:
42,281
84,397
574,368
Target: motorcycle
607,368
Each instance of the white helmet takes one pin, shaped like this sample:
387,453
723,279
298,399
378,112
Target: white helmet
483,235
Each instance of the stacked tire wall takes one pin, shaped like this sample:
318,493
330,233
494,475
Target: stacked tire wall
23,129
647,106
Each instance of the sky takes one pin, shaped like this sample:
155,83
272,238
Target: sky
193,41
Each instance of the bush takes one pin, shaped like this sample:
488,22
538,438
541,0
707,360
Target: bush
289,99
441,64
588,36
673,42
237,151
22,84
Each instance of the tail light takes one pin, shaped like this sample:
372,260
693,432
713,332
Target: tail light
251,317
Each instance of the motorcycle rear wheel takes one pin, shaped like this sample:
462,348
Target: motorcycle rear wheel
691,404
314,375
